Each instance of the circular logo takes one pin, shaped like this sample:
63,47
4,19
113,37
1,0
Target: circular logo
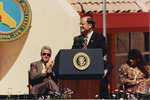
81,61
15,19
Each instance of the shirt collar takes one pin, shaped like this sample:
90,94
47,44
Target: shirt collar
89,35
43,63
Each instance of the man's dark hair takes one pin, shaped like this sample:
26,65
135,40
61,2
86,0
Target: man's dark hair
90,20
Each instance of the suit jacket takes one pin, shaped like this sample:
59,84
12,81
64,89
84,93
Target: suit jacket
108,66
36,76
96,41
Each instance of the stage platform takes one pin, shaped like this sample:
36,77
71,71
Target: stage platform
48,97
26,97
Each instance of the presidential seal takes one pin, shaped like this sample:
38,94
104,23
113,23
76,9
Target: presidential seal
81,61
15,19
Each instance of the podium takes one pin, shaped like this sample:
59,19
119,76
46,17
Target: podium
81,71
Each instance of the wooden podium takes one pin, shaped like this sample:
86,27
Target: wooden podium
81,71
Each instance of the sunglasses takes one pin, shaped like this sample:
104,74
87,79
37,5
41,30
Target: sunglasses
48,54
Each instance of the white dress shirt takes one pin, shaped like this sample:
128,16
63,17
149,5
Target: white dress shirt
43,70
89,37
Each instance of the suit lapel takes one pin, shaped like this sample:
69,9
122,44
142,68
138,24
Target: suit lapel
40,67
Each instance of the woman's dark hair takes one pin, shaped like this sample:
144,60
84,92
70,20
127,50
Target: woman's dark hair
136,55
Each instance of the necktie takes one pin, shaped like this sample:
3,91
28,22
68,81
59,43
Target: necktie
85,43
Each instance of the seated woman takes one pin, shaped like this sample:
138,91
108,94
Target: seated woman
134,74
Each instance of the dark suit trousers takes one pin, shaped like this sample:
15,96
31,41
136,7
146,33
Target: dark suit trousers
104,88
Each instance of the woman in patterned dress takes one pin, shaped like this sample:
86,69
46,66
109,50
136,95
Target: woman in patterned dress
134,74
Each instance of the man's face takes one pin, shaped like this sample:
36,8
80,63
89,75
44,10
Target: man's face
45,55
84,26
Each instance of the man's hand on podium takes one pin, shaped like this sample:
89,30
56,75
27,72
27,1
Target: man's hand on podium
105,72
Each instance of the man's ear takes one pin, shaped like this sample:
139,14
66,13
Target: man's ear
90,26
138,60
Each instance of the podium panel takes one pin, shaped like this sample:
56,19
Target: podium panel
65,68
83,89
81,71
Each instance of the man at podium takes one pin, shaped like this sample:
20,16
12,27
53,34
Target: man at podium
92,40
89,38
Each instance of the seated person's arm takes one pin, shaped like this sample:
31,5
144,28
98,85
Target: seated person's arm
123,77
146,79
130,82
50,71
35,75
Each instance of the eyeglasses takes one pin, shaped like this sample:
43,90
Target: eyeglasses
48,54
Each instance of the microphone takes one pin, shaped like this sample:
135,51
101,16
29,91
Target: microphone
81,39
78,41
76,38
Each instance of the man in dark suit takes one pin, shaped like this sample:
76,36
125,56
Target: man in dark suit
104,81
92,40
41,74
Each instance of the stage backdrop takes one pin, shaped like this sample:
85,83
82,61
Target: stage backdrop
54,23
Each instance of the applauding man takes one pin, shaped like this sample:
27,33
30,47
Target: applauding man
41,74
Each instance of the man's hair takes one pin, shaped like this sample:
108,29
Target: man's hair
46,47
90,20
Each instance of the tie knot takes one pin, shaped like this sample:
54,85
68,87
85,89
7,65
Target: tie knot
45,64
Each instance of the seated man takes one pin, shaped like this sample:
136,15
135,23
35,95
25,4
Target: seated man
41,74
